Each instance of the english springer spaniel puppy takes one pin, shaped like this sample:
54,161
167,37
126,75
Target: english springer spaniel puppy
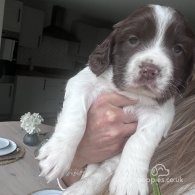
149,56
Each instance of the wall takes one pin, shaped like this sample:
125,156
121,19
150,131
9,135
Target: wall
71,15
72,19
47,8
2,3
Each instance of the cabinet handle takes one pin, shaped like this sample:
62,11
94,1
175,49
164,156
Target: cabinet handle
19,14
10,91
39,40
44,85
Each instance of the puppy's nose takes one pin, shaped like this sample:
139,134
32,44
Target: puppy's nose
149,71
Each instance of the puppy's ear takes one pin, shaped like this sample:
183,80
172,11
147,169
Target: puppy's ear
122,23
99,60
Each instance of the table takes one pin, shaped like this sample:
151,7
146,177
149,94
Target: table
22,176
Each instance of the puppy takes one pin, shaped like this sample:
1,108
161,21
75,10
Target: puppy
149,56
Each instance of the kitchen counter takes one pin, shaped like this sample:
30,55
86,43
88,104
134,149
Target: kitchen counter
23,70
7,79
41,74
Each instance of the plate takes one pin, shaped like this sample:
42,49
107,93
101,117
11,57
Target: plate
48,192
9,149
3,142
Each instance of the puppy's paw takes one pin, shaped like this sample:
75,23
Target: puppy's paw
55,159
80,188
128,183
77,191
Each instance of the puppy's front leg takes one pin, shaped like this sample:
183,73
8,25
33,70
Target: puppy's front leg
96,182
131,175
57,154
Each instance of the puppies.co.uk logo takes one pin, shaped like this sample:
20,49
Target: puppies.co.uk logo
160,170
162,175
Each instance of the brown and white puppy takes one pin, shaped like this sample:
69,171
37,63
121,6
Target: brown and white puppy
149,56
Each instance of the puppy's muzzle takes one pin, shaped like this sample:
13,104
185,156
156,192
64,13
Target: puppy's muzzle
148,72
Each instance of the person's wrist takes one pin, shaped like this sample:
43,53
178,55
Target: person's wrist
76,171
78,162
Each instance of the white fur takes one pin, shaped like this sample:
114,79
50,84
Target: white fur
164,16
154,55
132,165
57,154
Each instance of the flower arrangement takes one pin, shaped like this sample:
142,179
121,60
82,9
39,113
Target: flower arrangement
30,122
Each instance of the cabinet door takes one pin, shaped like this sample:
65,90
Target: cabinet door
12,15
54,95
37,94
28,95
31,27
52,53
6,96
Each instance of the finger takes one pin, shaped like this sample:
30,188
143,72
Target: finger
128,129
117,115
117,100
117,132
118,147
125,118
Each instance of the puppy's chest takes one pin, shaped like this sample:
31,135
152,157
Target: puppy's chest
144,104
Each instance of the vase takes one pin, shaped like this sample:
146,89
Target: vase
31,139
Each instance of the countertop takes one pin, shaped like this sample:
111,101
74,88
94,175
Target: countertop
22,176
22,70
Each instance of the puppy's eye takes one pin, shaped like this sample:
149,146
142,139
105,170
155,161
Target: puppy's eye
178,49
133,40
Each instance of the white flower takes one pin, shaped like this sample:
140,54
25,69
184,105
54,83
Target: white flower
30,122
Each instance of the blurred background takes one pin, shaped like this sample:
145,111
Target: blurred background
45,42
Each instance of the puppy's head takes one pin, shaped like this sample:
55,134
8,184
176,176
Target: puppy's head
151,51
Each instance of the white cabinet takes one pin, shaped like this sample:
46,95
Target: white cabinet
53,95
12,15
28,95
37,94
6,97
31,27
52,53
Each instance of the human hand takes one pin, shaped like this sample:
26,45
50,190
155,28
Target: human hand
107,130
